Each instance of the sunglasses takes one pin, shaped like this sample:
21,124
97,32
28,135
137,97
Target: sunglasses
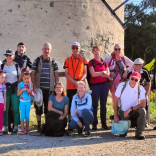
75,48
136,80
117,49
7,55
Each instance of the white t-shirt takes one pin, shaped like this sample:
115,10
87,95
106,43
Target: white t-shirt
129,97
11,73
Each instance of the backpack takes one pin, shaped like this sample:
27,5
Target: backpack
38,60
53,126
16,65
88,72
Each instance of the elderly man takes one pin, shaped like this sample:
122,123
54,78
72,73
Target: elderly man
44,76
145,79
132,97
75,71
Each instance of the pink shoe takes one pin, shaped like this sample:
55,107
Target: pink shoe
28,131
22,132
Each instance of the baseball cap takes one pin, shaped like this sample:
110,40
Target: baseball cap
9,52
138,61
136,75
76,44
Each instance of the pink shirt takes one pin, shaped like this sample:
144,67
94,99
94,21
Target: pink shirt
2,89
98,67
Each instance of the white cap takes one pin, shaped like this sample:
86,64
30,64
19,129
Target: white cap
76,44
139,61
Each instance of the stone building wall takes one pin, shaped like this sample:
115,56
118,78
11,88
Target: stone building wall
60,22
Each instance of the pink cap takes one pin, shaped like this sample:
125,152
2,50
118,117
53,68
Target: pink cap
136,75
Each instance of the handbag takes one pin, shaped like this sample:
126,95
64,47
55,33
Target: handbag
38,98
121,127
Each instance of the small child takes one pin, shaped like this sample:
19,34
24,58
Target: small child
2,98
25,92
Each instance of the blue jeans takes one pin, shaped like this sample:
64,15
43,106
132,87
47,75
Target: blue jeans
87,118
100,91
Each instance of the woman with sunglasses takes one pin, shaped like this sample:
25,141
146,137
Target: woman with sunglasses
119,65
12,71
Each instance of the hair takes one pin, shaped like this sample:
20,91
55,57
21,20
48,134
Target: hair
47,44
24,72
21,43
99,47
63,92
1,72
121,53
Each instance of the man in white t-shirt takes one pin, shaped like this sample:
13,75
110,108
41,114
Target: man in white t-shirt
133,102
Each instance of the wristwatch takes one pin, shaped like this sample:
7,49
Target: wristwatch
131,108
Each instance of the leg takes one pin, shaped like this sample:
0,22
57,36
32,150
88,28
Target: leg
87,118
103,100
95,97
1,116
141,121
28,106
73,124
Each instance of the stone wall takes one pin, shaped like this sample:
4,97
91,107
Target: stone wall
60,22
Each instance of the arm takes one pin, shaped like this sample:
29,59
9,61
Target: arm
29,63
147,88
4,95
116,118
129,63
65,113
95,74
50,108
33,79
56,77
84,73
20,91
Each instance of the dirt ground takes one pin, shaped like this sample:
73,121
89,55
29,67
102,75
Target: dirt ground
99,143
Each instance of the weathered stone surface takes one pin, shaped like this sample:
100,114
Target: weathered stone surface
60,22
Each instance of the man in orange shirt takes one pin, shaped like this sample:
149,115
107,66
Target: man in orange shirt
75,70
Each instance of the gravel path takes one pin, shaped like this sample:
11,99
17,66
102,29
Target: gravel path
99,143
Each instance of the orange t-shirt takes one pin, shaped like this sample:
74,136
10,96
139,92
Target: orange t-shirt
75,69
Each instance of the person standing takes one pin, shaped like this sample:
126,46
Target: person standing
75,70
44,76
99,71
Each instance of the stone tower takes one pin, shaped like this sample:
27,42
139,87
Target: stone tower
60,22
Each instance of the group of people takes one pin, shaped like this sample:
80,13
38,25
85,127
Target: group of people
127,81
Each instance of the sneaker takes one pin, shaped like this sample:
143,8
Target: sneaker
38,128
87,134
123,135
15,130
154,128
105,127
94,127
5,132
80,129
1,133
140,137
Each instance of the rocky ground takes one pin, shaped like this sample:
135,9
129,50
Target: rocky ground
99,143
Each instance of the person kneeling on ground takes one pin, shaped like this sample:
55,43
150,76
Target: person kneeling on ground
81,110
133,102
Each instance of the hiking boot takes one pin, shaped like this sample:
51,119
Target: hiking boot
94,127
87,134
105,127
15,130
140,137
123,135
38,128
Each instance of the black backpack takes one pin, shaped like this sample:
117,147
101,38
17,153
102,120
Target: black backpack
88,72
53,126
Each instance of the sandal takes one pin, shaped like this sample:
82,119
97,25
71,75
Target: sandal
22,132
28,131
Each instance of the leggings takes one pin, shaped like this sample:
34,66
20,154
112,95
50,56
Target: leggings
1,115
25,110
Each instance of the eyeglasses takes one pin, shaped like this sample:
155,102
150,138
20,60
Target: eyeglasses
75,48
136,80
58,87
117,49
7,55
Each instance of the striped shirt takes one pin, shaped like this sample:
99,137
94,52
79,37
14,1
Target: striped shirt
45,74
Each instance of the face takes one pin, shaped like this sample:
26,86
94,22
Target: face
21,49
75,50
96,52
58,89
117,50
9,58
81,89
46,51
137,67
2,78
133,81
26,78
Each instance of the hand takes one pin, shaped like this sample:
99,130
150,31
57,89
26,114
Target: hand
29,91
24,89
4,109
79,124
116,119
124,76
147,98
75,113
61,117
126,113
75,83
